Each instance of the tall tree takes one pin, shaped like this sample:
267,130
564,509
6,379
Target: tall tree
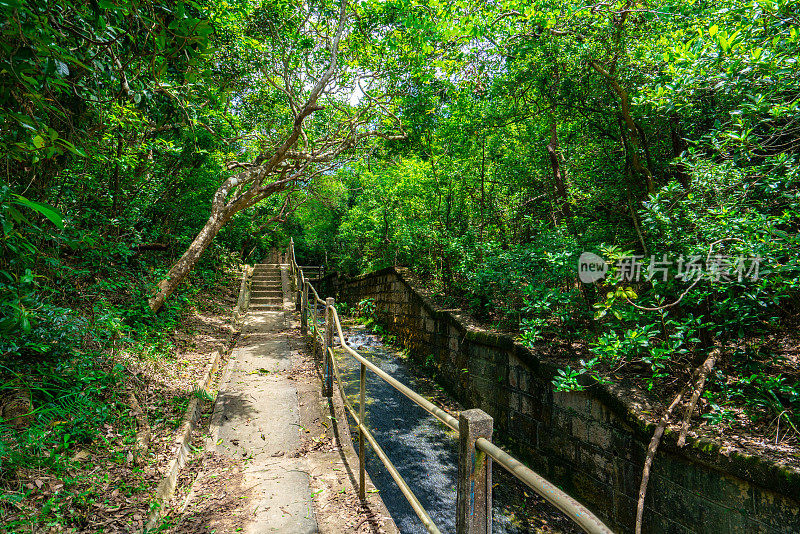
295,66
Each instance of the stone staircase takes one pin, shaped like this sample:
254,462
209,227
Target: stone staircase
267,288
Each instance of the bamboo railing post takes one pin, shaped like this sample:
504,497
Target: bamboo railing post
474,488
327,375
362,492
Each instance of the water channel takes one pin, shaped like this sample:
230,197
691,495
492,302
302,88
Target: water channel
425,451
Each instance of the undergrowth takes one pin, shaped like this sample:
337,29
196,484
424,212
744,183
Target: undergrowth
64,390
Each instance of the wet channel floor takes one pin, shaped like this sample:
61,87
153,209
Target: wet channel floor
425,451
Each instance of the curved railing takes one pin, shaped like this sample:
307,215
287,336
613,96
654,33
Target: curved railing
476,451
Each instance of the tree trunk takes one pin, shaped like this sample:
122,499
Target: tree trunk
562,210
678,146
184,265
483,189
625,110
628,174
646,146
115,186
246,188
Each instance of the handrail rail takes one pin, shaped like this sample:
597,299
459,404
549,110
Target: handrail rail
572,508
423,514
418,399
316,295
577,512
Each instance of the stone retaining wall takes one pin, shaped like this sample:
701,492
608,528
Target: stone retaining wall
589,443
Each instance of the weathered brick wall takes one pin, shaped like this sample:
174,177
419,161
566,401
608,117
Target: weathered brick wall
589,443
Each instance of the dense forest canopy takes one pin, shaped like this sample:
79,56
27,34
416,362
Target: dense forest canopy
485,145
660,136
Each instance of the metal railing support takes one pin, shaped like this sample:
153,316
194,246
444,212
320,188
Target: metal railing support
304,310
574,510
327,374
314,330
299,286
474,487
361,454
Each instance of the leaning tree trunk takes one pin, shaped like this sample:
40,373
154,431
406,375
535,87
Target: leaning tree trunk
281,169
184,265
625,111
562,208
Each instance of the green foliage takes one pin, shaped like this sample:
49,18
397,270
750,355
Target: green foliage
519,158
569,379
364,313
566,379
24,325
770,397
61,59
71,399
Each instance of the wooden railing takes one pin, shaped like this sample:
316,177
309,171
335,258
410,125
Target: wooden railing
476,452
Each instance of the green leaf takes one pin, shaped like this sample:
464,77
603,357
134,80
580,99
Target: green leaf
72,148
48,211
38,141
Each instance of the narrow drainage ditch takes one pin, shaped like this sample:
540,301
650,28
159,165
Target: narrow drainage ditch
425,451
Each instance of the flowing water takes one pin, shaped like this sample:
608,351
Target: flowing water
425,451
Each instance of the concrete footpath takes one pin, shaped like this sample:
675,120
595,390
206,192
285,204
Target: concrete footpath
276,461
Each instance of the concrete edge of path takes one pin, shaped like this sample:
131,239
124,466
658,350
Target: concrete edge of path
183,438
245,290
166,488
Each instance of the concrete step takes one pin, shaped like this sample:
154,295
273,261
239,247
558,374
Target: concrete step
266,300
266,307
266,287
275,293
272,297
